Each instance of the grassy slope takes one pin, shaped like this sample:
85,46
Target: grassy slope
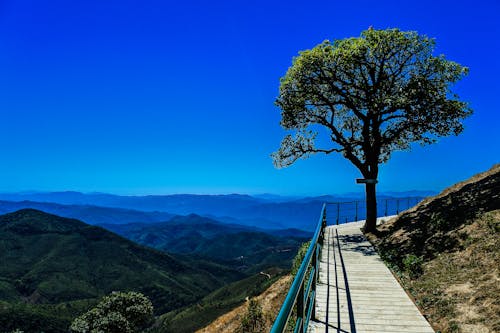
271,300
217,303
446,253
54,268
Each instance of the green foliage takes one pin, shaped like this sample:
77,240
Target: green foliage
118,312
36,318
63,266
438,222
366,97
247,250
297,261
217,303
413,265
253,321
373,94
492,223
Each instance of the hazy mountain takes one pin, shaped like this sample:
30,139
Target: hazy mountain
262,212
53,268
181,204
236,245
87,213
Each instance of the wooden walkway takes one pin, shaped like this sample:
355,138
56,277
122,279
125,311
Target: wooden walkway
356,292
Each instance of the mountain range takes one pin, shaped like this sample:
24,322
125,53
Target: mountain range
265,211
53,268
247,248
88,213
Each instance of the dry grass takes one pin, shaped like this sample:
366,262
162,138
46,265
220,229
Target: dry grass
271,301
460,291
458,186
446,253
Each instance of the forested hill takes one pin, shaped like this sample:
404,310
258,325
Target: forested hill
54,268
248,248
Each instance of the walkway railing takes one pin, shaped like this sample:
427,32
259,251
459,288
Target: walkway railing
303,290
302,293
348,211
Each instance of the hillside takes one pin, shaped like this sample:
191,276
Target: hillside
446,252
53,268
168,235
226,301
271,300
248,249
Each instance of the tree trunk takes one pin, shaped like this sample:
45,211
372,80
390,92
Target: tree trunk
371,209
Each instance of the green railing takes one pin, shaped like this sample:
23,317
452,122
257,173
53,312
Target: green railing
302,293
303,290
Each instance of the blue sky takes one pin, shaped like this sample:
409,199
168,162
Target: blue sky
137,97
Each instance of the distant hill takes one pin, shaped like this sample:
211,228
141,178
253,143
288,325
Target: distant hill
181,204
241,246
88,213
446,251
265,211
53,268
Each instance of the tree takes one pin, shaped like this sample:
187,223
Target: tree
118,312
368,96
253,321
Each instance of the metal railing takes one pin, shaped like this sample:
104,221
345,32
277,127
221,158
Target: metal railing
349,211
303,290
302,293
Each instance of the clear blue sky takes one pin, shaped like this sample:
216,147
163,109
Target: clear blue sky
168,97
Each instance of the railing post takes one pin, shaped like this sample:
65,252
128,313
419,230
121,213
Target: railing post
301,308
397,206
323,226
323,222
338,212
356,218
315,278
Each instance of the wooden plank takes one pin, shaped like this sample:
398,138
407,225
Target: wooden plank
362,295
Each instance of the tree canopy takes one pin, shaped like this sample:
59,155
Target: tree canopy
119,312
370,95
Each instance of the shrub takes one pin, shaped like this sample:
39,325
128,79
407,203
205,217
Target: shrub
118,312
413,265
297,261
492,222
253,321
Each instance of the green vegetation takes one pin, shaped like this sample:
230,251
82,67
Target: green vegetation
299,257
413,265
446,254
118,312
54,269
253,320
233,245
217,303
368,96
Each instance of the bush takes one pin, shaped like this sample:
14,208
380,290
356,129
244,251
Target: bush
297,261
413,265
253,321
118,312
